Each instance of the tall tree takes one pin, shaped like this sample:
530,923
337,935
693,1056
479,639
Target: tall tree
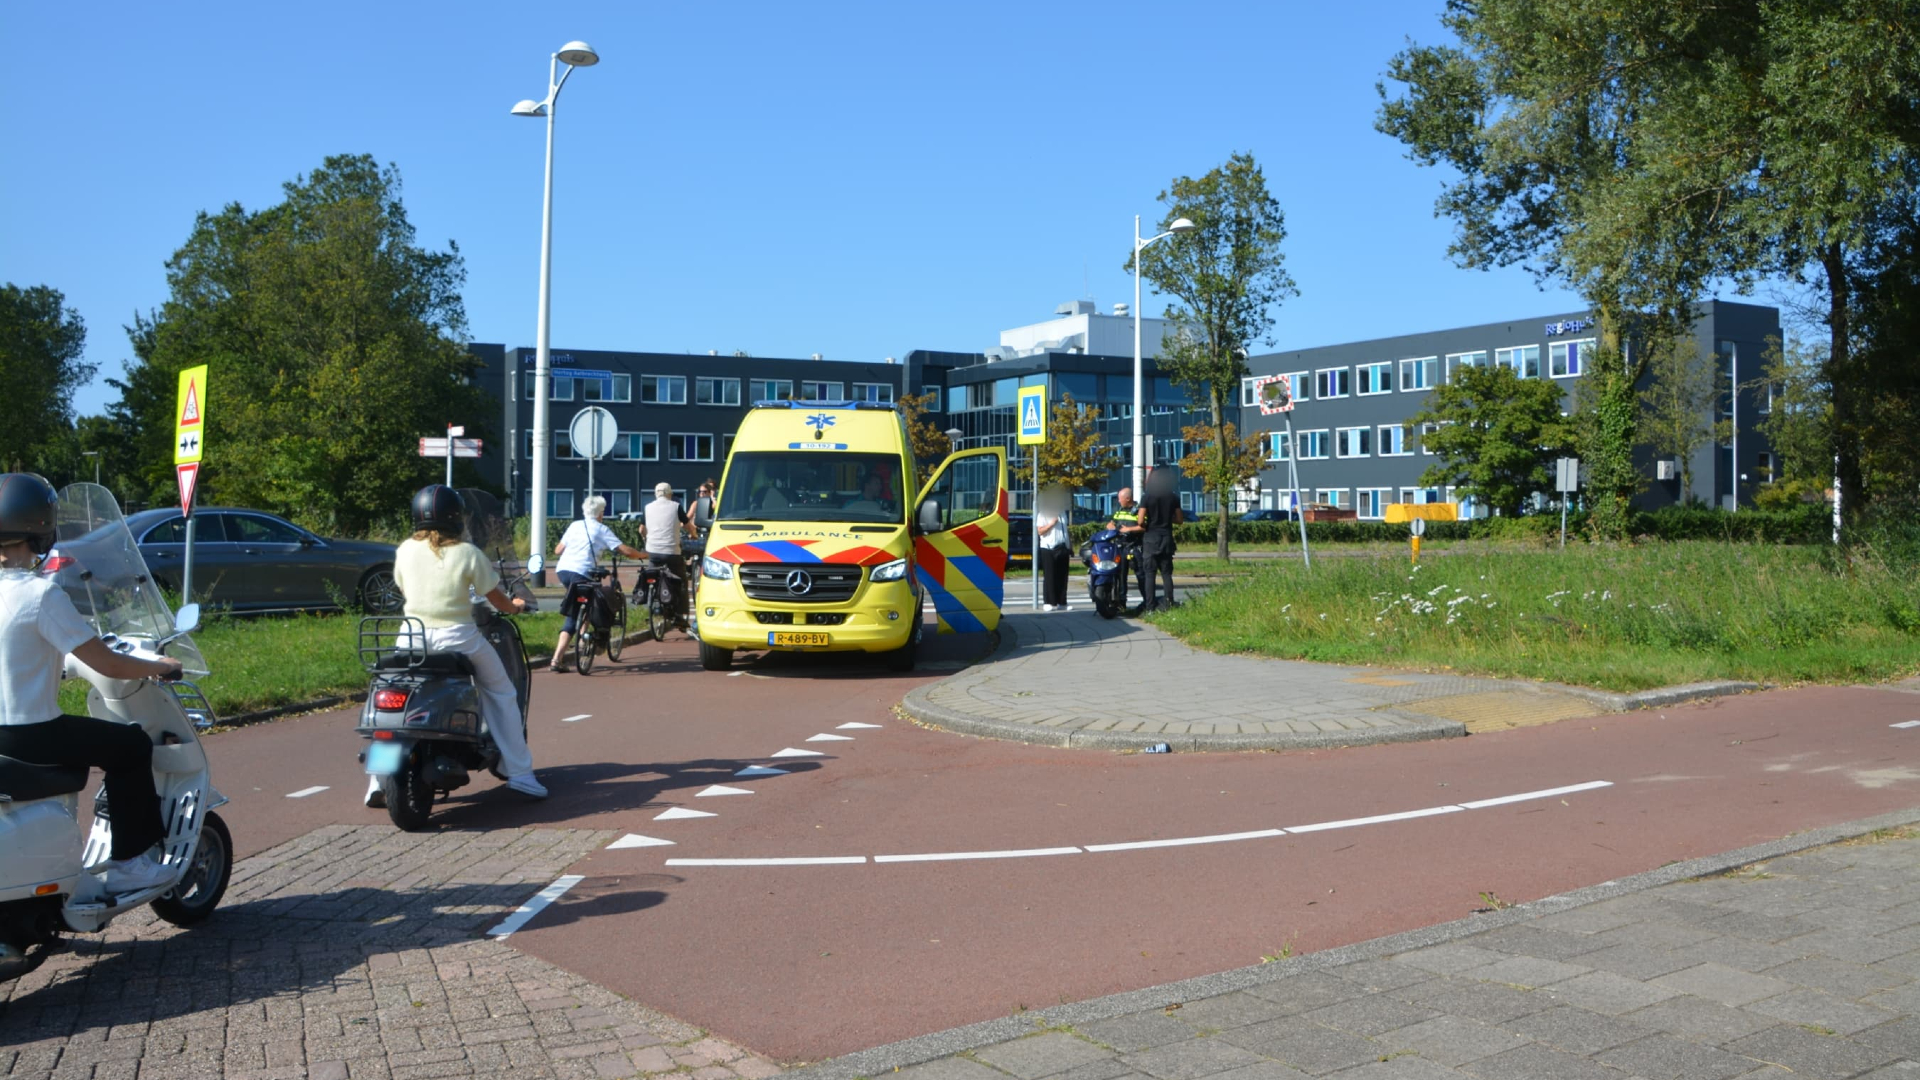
1677,403
1227,277
1797,422
333,342
930,444
1496,436
41,339
1223,459
1074,456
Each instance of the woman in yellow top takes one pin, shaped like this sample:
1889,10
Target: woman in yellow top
439,573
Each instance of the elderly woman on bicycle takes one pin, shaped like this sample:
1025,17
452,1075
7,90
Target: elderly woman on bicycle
576,557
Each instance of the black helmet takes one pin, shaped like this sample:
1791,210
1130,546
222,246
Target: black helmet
440,508
26,511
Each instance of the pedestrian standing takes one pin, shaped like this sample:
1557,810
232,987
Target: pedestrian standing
1161,512
1126,521
1050,522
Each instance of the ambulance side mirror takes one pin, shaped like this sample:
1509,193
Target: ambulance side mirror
929,517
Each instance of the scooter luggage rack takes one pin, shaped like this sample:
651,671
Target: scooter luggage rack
384,637
194,704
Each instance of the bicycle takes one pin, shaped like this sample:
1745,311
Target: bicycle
609,629
654,592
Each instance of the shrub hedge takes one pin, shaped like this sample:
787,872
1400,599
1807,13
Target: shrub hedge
1801,525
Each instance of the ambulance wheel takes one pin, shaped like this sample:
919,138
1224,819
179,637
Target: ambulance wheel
715,658
902,658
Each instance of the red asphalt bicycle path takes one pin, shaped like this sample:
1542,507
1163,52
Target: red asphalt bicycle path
804,963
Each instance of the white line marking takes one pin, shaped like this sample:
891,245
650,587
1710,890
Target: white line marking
306,791
1909,723
857,724
1375,820
633,840
722,789
761,770
943,856
525,913
1481,804
825,737
575,719
679,812
823,860
1182,841
791,752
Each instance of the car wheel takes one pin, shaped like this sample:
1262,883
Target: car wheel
379,593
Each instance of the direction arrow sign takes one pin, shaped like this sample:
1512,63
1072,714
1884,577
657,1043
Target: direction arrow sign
435,446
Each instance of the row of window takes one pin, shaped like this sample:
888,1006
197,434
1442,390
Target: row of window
1387,440
641,446
707,390
1368,504
1565,360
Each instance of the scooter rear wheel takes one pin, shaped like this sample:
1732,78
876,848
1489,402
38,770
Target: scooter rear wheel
205,882
409,799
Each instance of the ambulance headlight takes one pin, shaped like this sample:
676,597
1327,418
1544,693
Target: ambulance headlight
893,571
715,568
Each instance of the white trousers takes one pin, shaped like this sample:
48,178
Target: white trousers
499,701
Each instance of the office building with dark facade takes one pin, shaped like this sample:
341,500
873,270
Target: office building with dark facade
676,413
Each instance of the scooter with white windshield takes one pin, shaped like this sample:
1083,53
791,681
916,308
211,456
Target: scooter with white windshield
51,879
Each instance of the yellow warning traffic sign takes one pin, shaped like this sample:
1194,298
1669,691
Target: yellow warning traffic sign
189,427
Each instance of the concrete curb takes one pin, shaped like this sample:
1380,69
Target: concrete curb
322,704
914,1051
1658,698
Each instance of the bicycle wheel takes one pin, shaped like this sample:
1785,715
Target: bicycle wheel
656,615
617,638
583,648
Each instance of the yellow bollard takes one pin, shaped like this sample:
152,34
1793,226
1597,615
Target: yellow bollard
1416,549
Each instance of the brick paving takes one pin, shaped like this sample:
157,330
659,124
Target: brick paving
349,953
1075,679
1802,967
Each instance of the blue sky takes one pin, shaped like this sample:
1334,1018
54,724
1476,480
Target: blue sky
853,179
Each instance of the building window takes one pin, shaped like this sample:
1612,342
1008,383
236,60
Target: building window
1523,359
1247,397
560,503
619,500
1313,444
1456,361
1276,446
1763,466
714,391
1338,498
1376,378
562,389
685,447
663,389
562,446
1567,359
1419,374
1352,442
1373,503
637,446
726,444
618,389
1333,383
772,389
1426,430
873,391
811,390
1420,496
1393,441
930,391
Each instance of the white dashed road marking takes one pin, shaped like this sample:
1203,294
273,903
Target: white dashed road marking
306,791
525,913
575,719
820,860
945,856
1378,819
1909,723
851,725
1183,841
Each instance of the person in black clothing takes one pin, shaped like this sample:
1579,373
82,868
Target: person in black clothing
1160,513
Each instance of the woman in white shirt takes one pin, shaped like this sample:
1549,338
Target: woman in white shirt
1050,521
575,557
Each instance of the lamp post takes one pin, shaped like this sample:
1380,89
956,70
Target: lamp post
95,455
1180,225
574,54
953,439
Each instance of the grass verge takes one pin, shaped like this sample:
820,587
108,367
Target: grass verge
267,662
1620,619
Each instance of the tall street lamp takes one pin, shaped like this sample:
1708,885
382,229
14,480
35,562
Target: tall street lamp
95,455
574,54
1180,225
953,435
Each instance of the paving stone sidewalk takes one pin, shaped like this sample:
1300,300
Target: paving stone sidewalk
1799,967
1074,679
350,953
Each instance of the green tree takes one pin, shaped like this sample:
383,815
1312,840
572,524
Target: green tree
333,342
1223,459
1678,402
1496,436
1227,277
1074,456
1798,423
930,444
40,344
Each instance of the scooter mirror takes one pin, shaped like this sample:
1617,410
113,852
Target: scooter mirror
535,564
187,619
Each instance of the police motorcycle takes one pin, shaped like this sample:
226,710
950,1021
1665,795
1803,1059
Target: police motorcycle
1106,557
422,720
50,880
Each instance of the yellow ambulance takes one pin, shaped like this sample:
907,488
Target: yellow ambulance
825,539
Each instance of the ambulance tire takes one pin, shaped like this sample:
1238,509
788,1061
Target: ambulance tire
715,658
903,658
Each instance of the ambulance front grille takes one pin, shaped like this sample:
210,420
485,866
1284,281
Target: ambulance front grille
800,583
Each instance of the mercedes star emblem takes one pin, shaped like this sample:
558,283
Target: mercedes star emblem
799,582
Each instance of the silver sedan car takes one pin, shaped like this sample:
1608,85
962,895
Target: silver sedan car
250,560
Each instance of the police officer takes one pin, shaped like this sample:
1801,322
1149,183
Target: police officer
1126,519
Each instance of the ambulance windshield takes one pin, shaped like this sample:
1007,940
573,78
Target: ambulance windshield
811,485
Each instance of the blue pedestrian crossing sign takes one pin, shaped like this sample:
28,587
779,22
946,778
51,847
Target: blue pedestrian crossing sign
1033,415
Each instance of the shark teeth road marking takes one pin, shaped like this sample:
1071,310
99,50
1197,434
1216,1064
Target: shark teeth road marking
851,725
793,752
576,719
306,791
722,789
761,770
679,812
827,737
525,913
633,840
